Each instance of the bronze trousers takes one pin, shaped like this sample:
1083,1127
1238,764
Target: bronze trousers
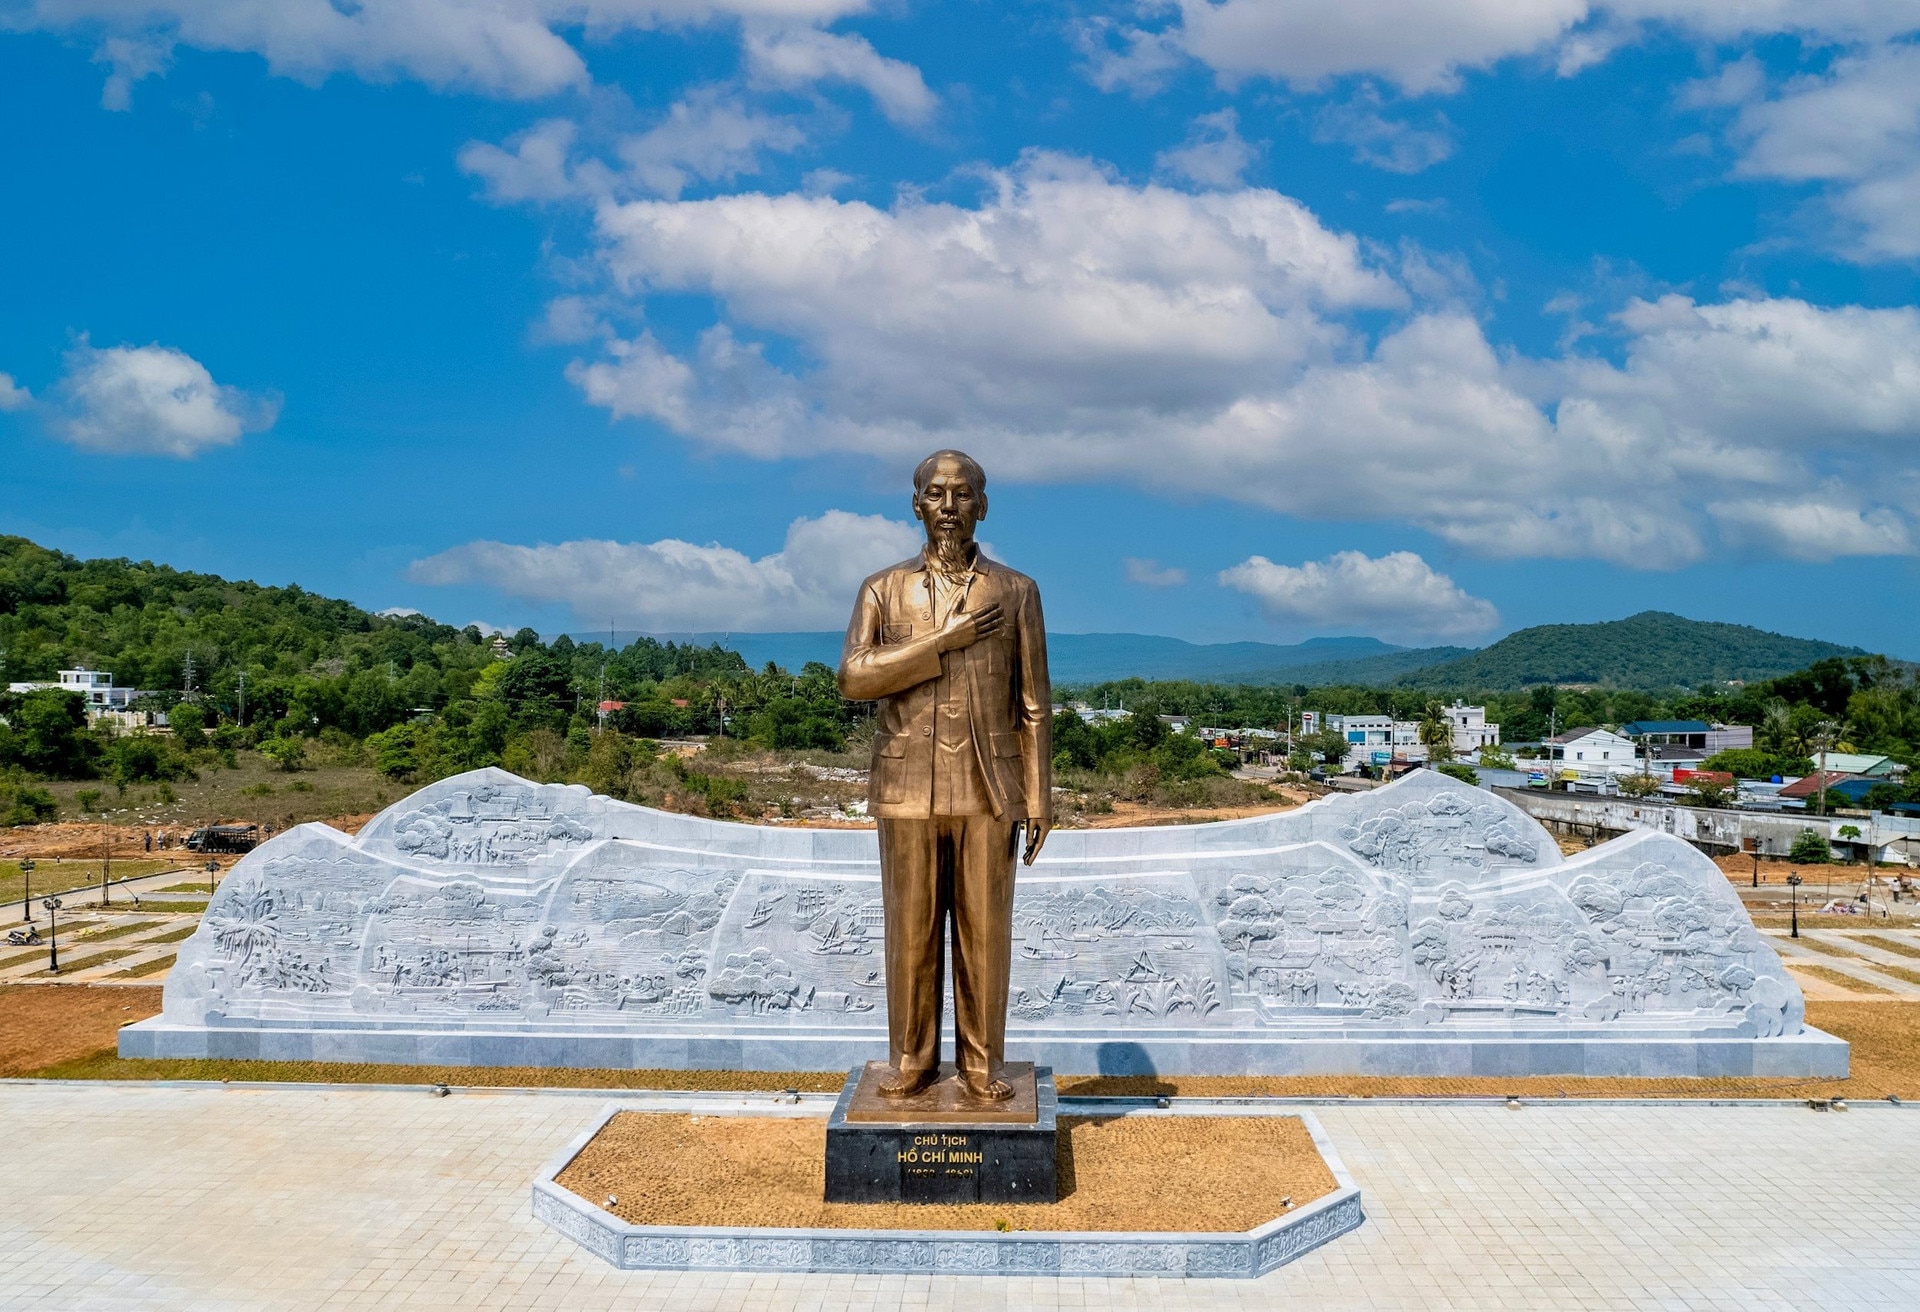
957,868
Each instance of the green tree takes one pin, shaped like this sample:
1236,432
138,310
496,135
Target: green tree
188,723
1810,848
1330,745
45,733
395,751
286,753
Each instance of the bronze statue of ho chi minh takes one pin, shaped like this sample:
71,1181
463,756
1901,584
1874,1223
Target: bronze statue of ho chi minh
952,647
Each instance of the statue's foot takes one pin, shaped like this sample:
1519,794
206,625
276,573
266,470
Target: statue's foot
904,1084
989,1090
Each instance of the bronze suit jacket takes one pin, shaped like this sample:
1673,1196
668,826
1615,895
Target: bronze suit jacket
889,657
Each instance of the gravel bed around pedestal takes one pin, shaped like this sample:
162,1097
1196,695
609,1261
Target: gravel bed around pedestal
1151,1194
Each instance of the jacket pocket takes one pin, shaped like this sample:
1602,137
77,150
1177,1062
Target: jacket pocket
895,633
1006,744
893,745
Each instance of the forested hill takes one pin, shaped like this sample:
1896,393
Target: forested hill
1650,650
309,661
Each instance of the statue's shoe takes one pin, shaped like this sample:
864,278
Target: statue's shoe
990,1091
904,1084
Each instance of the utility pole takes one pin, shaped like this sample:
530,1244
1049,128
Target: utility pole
1824,735
187,677
242,717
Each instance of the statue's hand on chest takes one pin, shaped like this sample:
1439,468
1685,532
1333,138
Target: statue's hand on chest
965,627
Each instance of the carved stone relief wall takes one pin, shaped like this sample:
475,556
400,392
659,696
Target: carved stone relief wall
486,902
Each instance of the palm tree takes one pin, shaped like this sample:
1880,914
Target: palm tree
1436,733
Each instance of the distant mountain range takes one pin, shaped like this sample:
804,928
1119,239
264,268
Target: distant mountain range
1650,650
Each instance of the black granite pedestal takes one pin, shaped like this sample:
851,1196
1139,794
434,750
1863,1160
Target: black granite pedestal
940,1147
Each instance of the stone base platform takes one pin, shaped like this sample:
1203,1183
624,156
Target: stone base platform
1028,1250
1431,1051
940,1147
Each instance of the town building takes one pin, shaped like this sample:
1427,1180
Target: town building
1378,739
1862,764
106,704
1593,751
1696,734
1471,731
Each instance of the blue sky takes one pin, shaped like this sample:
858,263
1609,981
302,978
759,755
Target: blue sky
1268,319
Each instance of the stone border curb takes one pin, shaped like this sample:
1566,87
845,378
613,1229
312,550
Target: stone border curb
762,1102
946,1252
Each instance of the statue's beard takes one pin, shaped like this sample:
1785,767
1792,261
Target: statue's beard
949,553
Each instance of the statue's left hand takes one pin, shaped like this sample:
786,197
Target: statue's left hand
1036,835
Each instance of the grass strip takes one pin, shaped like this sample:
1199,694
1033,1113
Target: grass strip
87,963
173,936
1831,949
117,931
145,968
200,887
1837,979
1900,973
1891,945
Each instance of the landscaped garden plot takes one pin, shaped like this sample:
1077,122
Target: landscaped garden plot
1178,1173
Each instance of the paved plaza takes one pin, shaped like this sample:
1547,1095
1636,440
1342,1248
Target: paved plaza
194,1197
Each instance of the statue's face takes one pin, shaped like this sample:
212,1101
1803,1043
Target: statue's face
949,504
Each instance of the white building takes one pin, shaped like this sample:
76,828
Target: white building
94,685
1593,751
1378,739
1471,731
104,701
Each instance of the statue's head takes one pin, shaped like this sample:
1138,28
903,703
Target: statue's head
949,497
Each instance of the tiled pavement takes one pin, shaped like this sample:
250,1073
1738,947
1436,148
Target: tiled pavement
154,1197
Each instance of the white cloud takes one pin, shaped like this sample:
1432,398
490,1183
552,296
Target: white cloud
1211,345
1151,574
1116,58
1213,155
1423,47
1856,129
1398,596
1386,143
398,612
672,585
1812,530
795,58
709,135
512,48
534,165
151,400
12,395
1418,45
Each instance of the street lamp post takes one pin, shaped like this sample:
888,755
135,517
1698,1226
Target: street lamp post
26,898
52,905
213,868
1793,897
1756,867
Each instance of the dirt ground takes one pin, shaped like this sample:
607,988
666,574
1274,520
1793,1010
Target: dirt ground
1138,814
43,1025
69,1032
1139,1173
